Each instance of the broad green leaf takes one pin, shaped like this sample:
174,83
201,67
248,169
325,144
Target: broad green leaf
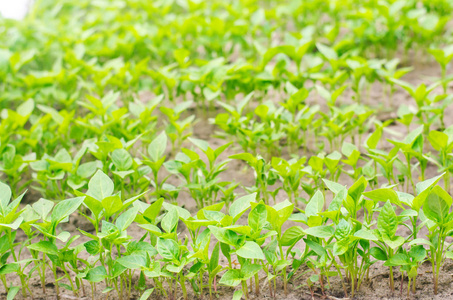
249,270
224,235
250,250
356,190
383,195
111,205
132,261
156,148
237,295
122,159
97,274
328,52
399,259
292,235
317,248
417,253
365,234
153,210
323,231
100,186
9,268
437,205
378,253
12,292
168,249
214,260
246,157
240,206
45,247
334,187
423,189
126,218
393,242
170,220
231,278
43,207
387,222
258,217
438,140
341,247
64,208
315,205
146,294
5,197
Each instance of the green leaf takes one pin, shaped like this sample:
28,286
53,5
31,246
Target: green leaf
250,250
146,294
323,231
240,206
417,253
43,207
64,208
387,221
437,205
292,235
378,253
383,195
214,260
111,205
315,205
365,234
356,190
153,210
100,186
231,278
12,292
328,52
132,261
246,157
96,274
92,247
168,249
258,217
393,242
122,159
5,197
249,270
224,235
10,268
438,140
126,218
156,148
425,185
399,259
317,248
334,187
237,295
341,247
170,220
45,247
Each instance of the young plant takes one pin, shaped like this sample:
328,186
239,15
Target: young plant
443,57
438,220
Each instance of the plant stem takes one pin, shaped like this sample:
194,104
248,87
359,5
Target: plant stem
284,270
57,288
245,289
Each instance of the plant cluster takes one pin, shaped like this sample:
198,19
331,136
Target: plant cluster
261,145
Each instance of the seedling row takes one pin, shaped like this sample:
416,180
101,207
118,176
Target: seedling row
226,149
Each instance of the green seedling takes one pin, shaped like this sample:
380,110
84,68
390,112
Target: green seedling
443,57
